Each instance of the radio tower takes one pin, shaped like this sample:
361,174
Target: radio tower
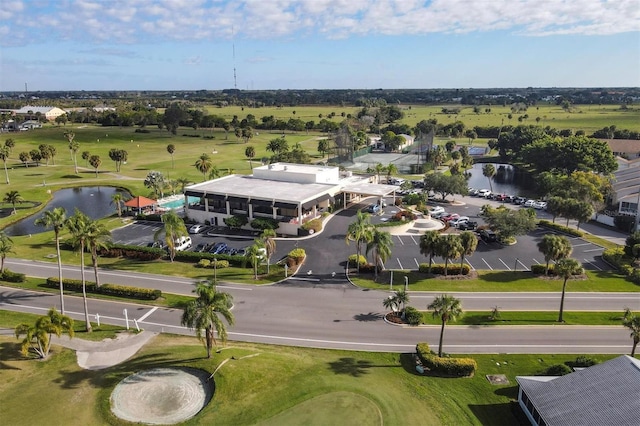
233,44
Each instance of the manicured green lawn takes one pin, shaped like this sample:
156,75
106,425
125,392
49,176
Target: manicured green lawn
280,385
532,318
499,281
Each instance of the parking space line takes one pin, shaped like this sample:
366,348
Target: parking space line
470,265
523,265
598,249
401,242
505,265
536,261
399,263
417,264
592,264
488,266
584,244
414,240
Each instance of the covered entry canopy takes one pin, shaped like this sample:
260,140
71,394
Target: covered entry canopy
140,202
370,189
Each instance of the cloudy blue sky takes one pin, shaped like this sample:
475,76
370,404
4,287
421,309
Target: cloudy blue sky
317,44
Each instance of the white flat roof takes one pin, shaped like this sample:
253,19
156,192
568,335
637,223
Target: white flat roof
366,188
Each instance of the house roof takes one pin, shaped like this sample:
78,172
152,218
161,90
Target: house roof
34,109
605,394
140,202
630,146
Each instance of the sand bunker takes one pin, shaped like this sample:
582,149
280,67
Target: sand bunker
162,396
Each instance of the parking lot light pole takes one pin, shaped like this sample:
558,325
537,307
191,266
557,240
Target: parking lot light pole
406,283
515,266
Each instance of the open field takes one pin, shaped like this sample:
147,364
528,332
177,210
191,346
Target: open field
279,383
499,281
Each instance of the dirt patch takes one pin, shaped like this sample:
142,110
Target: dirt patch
162,396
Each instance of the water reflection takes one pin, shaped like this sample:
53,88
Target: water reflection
94,201
504,182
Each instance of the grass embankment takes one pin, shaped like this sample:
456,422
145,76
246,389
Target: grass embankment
531,318
279,385
500,281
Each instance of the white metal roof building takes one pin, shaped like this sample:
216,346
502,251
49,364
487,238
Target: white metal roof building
49,112
289,193
604,394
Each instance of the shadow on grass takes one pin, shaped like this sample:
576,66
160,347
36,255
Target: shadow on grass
504,276
507,413
11,352
350,366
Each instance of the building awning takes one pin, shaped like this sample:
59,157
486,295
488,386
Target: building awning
237,199
140,202
195,193
215,197
267,203
309,204
282,205
326,197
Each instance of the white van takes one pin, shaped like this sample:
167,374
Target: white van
182,243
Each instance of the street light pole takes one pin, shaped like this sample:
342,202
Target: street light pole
515,266
406,283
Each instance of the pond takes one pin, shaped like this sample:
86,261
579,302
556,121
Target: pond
506,181
94,201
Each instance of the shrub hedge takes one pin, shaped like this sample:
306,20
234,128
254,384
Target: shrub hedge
561,228
456,367
438,269
352,260
412,315
12,277
132,252
108,289
263,223
539,269
213,264
314,225
297,255
557,370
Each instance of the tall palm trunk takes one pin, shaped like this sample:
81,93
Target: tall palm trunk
84,289
60,273
441,338
633,349
564,286
6,173
209,338
94,260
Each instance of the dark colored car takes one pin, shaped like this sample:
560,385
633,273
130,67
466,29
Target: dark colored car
488,236
519,200
218,248
201,248
468,226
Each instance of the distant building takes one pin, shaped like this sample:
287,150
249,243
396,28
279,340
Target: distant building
48,112
625,148
604,394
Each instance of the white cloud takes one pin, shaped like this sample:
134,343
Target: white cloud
131,21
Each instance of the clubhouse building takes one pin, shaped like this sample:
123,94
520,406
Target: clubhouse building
291,194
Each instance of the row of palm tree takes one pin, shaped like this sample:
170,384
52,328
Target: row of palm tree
379,242
449,247
86,233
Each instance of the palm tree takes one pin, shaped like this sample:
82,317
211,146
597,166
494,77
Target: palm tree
74,146
469,243
360,231
391,170
55,219
38,336
171,148
391,302
633,324
269,244
97,236
447,308
5,151
379,169
13,198
554,247
381,244
6,247
201,313
449,248
215,173
250,152
489,171
253,255
118,199
95,162
79,226
182,182
402,298
565,268
204,164
173,229
429,243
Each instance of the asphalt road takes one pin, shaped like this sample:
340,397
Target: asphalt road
341,316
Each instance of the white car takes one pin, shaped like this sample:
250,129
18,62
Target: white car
540,205
459,221
182,243
484,193
436,210
196,229
529,203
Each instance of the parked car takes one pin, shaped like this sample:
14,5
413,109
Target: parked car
500,197
529,203
218,248
435,210
156,244
182,243
439,215
488,236
373,208
484,193
519,200
468,226
201,248
459,221
450,217
473,192
196,229
540,205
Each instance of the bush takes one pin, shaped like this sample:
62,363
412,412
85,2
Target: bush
236,222
218,264
314,225
12,277
624,223
108,289
263,223
132,252
457,367
297,255
204,263
352,260
634,276
438,269
412,315
403,215
561,228
143,131
616,257
582,361
539,269
557,370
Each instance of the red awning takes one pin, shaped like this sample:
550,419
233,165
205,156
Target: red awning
140,202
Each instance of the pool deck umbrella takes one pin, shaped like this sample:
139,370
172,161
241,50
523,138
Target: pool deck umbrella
140,203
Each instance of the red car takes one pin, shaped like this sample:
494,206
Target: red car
449,217
500,197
